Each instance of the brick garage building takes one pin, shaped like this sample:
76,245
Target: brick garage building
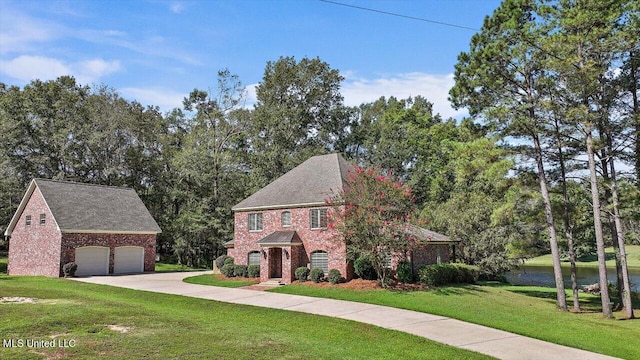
283,226
104,229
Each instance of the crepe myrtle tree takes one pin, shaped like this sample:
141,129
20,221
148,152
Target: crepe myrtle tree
371,216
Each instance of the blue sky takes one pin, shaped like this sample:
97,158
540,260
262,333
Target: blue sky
156,52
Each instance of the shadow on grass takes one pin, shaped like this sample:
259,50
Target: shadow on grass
453,290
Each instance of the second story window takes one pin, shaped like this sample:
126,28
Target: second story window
43,219
255,222
285,218
318,218
27,220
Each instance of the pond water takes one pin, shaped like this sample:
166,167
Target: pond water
543,276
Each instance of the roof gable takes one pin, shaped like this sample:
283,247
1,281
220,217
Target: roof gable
78,207
308,184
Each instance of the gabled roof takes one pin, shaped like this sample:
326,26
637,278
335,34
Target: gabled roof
78,207
308,184
428,236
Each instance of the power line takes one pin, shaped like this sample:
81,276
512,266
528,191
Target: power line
399,15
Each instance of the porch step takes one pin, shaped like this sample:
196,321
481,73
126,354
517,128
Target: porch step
271,283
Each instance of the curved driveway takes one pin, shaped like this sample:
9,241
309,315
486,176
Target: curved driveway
497,343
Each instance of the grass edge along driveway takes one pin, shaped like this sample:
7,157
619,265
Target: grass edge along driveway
110,322
524,310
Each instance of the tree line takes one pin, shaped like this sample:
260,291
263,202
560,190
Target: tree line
552,92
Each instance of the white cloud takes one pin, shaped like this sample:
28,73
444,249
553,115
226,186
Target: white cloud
26,68
435,88
23,33
177,7
165,99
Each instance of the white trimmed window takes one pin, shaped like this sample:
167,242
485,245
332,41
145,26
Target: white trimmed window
254,258
320,260
318,218
285,218
43,219
255,222
27,220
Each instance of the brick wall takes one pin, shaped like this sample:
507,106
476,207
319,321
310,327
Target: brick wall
35,249
245,241
429,255
72,241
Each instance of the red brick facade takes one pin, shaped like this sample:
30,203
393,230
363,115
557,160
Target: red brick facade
41,249
282,261
288,258
35,249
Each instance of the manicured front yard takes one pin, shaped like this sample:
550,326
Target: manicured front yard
633,259
219,280
525,310
115,323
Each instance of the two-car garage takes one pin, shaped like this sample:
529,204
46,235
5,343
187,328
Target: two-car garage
94,260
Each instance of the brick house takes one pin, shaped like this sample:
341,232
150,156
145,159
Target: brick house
103,229
283,226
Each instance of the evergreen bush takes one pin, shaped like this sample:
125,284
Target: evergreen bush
220,261
302,273
228,270
69,269
240,270
253,271
363,268
228,260
405,272
316,275
442,274
334,276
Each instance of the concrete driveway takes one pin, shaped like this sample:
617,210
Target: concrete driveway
496,343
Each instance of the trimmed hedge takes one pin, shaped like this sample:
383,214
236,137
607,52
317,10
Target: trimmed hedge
363,268
253,271
228,260
228,270
240,270
334,276
220,261
405,272
302,273
442,274
316,275
69,269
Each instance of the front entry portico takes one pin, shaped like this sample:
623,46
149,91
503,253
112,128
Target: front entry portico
282,250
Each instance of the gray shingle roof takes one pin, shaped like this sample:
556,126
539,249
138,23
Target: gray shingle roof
282,238
429,236
93,208
308,184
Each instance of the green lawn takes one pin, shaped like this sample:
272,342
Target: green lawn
167,267
219,280
168,326
633,259
525,310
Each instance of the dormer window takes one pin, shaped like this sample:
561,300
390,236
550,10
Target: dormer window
43,219
285,218
255,222
27,220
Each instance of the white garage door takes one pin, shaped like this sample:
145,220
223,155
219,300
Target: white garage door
128,259
92,260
